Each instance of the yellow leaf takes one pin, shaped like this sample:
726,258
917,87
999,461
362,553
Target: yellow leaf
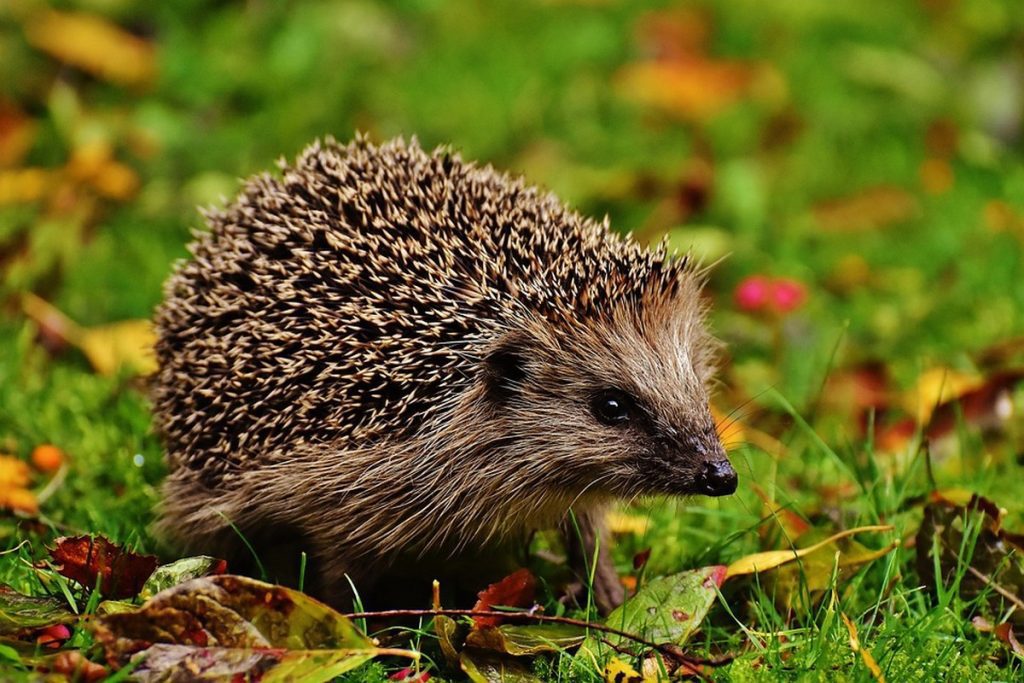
759,562
869,661
93,44
618,671
935,387
93,162
23,185
128,343
20,500
125,344
14,477
624,523
14,473
692,88
117,181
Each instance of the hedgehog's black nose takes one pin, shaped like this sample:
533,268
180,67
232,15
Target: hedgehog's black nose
717,478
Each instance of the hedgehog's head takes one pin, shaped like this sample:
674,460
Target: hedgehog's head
615,401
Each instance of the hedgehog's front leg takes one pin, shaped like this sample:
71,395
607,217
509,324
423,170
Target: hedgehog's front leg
586,543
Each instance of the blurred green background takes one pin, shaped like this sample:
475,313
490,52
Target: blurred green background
869,150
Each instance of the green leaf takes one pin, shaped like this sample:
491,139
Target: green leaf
527,640
23,612
487,667
667,610
447,629
178,572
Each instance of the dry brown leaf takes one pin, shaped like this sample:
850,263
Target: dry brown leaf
93,44
875,207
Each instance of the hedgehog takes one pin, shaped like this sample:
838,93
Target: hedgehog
398,361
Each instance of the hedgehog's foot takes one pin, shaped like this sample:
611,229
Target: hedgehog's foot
582,539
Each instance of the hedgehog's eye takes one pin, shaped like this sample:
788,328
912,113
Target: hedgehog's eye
612,407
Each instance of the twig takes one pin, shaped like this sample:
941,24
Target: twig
997,588
524,616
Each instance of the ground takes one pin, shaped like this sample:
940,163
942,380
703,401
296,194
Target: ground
854,171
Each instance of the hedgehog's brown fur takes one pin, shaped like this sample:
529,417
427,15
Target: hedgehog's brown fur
393,354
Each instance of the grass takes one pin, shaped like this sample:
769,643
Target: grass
872,154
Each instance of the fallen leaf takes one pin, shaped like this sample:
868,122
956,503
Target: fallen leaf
14,478
219,627
618,671
668,609
986,405
447,630
869,660
17,134
14,472
24,185
692,88
488,667
93,163
22,613
110,348
515,590
621,523
125,344
996,567
771,559
935,387
517,640
19,500
94,45
74,667
85,559
873,208
169,575
1005,633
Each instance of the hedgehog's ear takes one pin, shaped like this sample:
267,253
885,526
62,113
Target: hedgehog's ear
504,369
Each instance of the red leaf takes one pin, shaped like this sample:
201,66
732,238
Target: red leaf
640,559
1005,633
85,558
515,590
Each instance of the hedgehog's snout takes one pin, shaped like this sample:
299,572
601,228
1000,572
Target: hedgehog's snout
717,478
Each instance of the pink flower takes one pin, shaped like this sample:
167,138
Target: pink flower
762,294
753,293
788,295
